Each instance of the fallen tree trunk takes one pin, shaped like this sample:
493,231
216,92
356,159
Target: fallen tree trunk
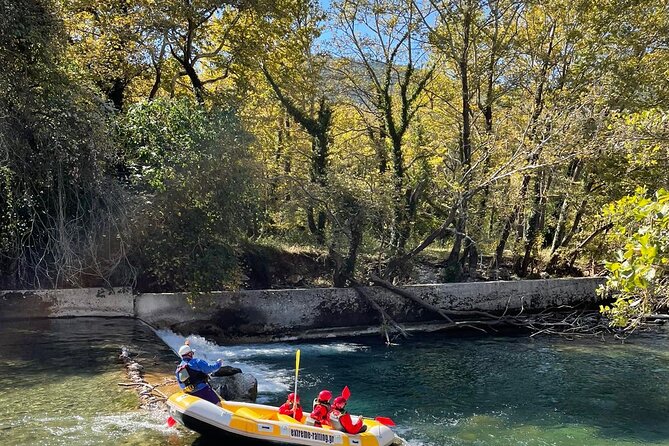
387,285
440,311
384,315
578,322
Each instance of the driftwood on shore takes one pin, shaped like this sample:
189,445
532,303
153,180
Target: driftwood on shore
564,320
150,397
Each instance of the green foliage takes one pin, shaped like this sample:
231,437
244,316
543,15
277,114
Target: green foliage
638,276
510,123
57,199
197,191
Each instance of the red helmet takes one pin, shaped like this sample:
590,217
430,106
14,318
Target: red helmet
291,397
339,403
325,396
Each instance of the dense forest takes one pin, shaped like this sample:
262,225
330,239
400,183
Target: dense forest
173,144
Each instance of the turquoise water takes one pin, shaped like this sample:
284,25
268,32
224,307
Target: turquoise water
442,390
59,385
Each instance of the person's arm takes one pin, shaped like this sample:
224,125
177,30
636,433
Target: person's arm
347,422
204,366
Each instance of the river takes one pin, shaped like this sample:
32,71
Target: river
60,385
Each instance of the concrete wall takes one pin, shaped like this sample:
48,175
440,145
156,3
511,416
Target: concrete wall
286,313
66,303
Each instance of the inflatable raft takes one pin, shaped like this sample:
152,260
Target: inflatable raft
256,424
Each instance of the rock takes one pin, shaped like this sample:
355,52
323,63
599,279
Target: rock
226,370
237,387
135,367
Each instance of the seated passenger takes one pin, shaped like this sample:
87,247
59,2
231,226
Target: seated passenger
342,420
319,416
292,407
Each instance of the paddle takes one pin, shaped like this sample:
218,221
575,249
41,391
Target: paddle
346,393
385,420
297,371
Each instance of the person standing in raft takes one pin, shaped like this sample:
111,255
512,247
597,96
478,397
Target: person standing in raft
341,420
193,375
319,416
292,407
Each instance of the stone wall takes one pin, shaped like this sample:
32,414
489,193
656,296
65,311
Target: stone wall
273,314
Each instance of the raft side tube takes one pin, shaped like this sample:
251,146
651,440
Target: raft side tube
263,424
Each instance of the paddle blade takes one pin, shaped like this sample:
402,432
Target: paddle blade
297,363
346,393
171,422
297,371
385,420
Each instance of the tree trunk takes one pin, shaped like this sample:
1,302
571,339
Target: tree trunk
156,85
345,268
560,225
535,222
198,86
385,317
510,220
398,236
319,176
397,262
158,65
452,266
573,174
116,93
453,260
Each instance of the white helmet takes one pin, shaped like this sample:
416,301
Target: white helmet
185,349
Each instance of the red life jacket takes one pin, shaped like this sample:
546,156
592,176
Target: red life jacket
287,409
319,416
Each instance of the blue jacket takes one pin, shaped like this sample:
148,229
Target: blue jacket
199,365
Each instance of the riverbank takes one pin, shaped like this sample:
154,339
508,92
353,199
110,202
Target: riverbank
270,315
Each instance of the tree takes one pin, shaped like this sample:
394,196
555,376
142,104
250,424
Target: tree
309,105
638,278
386,70
107,40
198,38
63,215
197,190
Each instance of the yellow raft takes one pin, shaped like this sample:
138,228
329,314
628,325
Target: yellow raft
260,424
